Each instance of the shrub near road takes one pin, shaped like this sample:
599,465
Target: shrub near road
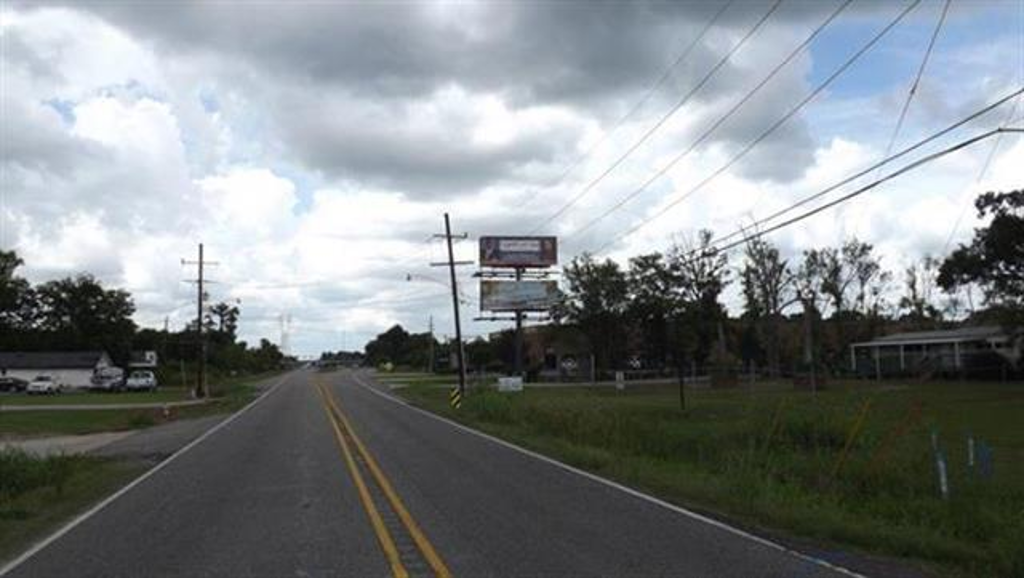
805,464
36,493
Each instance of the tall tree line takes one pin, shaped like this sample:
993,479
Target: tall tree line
666,307
79,313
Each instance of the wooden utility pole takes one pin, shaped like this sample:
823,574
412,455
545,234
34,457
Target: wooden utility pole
519,333
202,387
431,326
201,371
456,400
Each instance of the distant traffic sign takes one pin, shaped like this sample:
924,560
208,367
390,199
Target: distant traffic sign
569,364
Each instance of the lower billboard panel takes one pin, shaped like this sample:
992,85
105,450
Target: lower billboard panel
517,295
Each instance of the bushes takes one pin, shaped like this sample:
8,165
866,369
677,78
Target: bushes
21,473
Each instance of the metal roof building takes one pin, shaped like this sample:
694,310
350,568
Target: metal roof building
946,350
69,368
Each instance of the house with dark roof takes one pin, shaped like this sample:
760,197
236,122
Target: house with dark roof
978,349
71,369
143,360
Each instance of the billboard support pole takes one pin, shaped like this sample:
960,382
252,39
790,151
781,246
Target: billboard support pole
519,332
455,305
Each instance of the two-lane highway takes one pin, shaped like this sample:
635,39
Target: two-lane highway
327,476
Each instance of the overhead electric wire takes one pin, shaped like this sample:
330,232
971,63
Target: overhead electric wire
905,108
822,86
878,165
905,169
665,75
917,79
981,175
707,133
650,131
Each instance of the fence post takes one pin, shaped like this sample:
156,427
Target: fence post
940,466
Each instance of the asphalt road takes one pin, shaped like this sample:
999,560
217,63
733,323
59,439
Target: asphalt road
326,476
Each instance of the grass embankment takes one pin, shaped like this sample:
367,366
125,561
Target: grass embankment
228,395
37,493
796,462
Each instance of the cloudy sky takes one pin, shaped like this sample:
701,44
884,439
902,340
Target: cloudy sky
314,146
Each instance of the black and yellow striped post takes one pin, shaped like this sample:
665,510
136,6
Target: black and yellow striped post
455,398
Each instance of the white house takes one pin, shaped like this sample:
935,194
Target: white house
946,351
143,360
73,369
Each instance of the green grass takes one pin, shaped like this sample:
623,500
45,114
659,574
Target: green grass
766,458
76,422
229,394
37,494
427,379
97,398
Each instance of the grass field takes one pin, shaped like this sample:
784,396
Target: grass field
407,378
794,462
164,394
228,396
37,494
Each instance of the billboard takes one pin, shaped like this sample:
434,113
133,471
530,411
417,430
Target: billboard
518,251
517,295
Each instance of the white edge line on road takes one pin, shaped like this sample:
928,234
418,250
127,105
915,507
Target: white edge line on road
35,549
635,493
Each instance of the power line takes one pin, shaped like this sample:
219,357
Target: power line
707,133
665,75
822,86
878,165
917,78
650,131
981,175
905,169
905,108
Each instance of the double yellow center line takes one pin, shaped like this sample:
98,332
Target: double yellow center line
350,444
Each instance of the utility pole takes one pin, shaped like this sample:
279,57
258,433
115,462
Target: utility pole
519,333
201,371
202,389
456,400
431,327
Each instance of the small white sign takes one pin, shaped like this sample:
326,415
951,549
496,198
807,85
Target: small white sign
510,384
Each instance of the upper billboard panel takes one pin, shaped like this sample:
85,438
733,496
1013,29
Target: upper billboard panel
518,251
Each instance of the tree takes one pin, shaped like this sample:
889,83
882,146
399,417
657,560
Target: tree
917,302
267,356
79,313
701,274
850,280
398,346
653,300
15,294
389,346
994,259
595,300
226,319
769,288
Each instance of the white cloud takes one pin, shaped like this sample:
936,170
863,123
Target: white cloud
316,180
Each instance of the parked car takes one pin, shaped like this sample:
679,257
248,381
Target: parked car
43,384
11,383
141,379
108,379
